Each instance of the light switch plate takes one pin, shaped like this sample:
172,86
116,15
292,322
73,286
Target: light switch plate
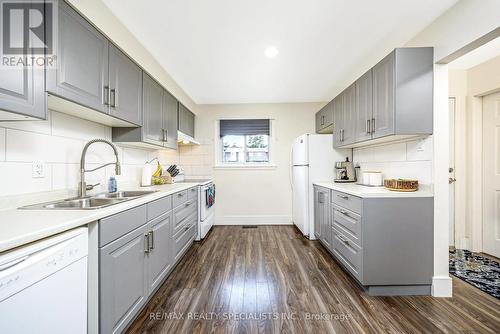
38,170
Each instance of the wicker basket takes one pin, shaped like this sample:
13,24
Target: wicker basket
401,185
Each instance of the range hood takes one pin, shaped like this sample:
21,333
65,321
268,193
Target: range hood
184,139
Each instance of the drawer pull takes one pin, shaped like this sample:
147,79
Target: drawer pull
188,204
187,227
343,196
344,240
180,194
151,233
345,213
147,249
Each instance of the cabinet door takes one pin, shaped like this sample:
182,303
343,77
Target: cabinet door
170,119
325,218
364,107
125,85
317,214
122,280
328,113
319,119
338,119
349,115
161,257
383,97
22,88
186,120
153,111
81,71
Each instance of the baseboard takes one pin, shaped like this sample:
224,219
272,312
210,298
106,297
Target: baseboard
253,220
442,286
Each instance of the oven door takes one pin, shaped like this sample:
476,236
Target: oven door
205,211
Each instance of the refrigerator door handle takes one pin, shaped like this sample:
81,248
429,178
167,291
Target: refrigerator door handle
290,176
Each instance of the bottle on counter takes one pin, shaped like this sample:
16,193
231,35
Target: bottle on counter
112,185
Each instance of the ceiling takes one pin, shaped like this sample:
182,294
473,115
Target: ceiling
215,50
477,56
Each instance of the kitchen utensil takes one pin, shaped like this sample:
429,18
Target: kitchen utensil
401,185
344,171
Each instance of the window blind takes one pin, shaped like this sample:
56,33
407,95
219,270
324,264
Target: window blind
244,127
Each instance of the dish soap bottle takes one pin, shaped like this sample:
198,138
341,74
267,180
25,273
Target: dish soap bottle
112,185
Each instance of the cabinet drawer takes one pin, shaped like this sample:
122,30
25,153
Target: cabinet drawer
183,213
192,193
113,227
159,207
347,201
183,239
348,253
180,198
348,222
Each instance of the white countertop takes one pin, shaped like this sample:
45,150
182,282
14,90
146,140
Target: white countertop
373,192
19,227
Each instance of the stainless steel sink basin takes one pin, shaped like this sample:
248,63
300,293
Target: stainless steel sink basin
90,203
125,194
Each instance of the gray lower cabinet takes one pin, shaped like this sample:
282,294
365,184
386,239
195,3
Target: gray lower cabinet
186,121
322,216
125,87
138,249
386,244
81,71
324,119
22,88
317,215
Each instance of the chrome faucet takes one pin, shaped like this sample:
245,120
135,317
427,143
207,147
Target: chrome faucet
83,187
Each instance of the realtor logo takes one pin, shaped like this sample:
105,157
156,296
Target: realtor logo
27,33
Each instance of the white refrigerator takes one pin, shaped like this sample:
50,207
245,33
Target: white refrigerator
312,159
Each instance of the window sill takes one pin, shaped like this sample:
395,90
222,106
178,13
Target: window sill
260,167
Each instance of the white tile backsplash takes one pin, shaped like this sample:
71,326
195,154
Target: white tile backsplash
406,159
58,142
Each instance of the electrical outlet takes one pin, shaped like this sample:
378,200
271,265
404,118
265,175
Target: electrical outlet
38,169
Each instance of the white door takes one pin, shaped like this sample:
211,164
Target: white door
451,102
491,174
300,155
300,198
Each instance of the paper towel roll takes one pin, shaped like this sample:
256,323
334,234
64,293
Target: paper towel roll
147,173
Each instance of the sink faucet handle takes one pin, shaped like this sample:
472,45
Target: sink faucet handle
91,186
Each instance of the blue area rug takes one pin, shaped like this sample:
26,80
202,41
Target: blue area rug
477,270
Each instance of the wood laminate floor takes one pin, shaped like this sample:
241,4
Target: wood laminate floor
272,280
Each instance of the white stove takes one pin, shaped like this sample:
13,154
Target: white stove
206,210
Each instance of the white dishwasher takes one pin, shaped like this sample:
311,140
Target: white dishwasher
43,286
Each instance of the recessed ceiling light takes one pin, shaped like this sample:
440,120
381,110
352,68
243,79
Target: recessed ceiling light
271,52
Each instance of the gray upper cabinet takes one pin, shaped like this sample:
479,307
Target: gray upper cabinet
22,90
324,119
364,107
153,128
81,71
186,121
382,121
119,298
125,87
391,101
160,259
170,120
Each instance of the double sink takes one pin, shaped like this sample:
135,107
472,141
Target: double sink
98,201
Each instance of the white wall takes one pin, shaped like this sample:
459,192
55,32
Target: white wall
58,143
406,159
251,196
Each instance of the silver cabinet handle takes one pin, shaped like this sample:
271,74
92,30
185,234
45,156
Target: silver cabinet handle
188,204
164,135
105,96
152,234
112,98
373,125
180,194
344,240
146,243
343,196
345,213
368,126
187,227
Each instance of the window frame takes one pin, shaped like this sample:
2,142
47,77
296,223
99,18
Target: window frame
219,151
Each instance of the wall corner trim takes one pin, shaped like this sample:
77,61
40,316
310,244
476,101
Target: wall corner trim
442,286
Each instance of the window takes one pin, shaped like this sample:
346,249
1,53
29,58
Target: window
245,142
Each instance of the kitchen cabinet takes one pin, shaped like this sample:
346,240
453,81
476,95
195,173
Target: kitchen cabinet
125,87
81,71
317,216
122,281
364,107
322,227
160,258
368,235
186,121
393,100
170,120
91,72
324,119
22,88
159,119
